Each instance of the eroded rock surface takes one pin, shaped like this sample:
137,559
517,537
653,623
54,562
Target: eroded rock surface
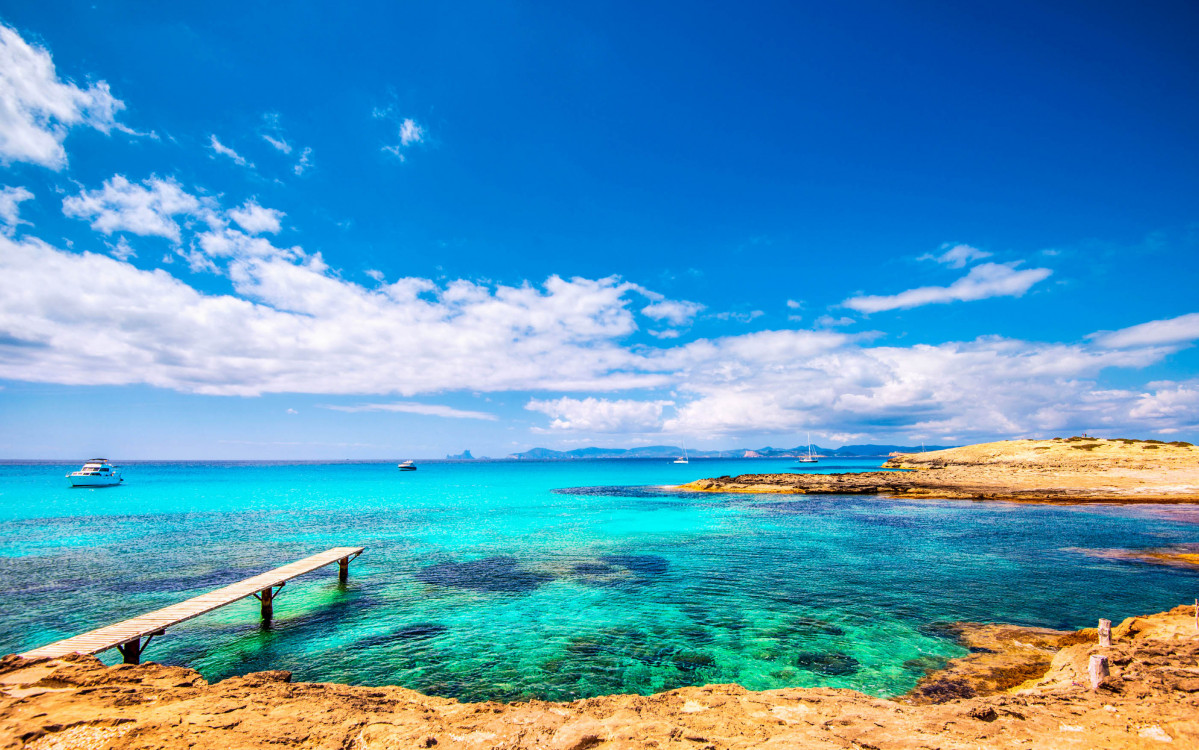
1150,700
1073,470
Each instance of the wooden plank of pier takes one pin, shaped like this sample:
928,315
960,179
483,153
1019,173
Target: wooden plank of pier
127,635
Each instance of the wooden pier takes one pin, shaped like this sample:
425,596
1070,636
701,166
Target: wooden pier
132,636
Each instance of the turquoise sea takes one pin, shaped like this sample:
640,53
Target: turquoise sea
559,580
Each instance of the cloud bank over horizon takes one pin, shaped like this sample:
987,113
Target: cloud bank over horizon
293,325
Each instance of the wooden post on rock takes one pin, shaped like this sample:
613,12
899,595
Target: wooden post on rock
1105,633
1098,670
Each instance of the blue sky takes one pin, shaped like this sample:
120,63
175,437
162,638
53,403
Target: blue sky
300,230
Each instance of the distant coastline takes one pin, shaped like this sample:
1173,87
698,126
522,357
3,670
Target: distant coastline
671,451
538,454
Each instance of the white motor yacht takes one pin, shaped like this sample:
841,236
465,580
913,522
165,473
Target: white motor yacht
406,466
97,472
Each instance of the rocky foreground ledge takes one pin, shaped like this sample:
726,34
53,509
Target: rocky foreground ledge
1062,470
1029,687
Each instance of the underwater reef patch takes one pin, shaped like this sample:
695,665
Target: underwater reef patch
640,564
830,663
416,632
499,574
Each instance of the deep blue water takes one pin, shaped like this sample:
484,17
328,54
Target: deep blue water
558,580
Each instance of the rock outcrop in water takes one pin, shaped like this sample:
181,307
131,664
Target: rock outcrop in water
1150,699
1073,470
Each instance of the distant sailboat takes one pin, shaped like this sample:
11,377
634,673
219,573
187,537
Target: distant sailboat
809,459
683,458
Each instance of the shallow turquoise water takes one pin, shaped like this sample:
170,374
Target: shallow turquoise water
557,580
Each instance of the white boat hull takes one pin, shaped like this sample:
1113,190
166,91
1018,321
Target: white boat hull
94,481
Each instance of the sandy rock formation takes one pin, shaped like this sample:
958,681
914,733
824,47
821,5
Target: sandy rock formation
1072,470
1150,700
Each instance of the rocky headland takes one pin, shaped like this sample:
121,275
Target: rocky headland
1061,470
1024,687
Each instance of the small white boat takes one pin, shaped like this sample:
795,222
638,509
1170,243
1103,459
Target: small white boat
683,458
406,466
809,459
97,472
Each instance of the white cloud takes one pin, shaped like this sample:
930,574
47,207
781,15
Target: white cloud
242,248
790,381
295,327
1180,330
37,109
255,219
740,317
675,312
794,304
10,208
121,206
415,407
122,250
828,321
304,163
600,415
982,282
224,150
957,256
274,133
411,133
1170,404
278,143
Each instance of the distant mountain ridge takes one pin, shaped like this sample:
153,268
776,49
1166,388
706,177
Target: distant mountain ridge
671,451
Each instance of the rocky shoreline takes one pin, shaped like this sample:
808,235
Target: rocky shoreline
1071,470
1023,686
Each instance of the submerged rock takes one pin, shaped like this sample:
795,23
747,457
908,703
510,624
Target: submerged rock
831,663
640,564
499,573
417,632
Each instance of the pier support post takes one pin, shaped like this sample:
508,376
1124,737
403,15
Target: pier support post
267,597
343,569
1098,670
1105,633
131,652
